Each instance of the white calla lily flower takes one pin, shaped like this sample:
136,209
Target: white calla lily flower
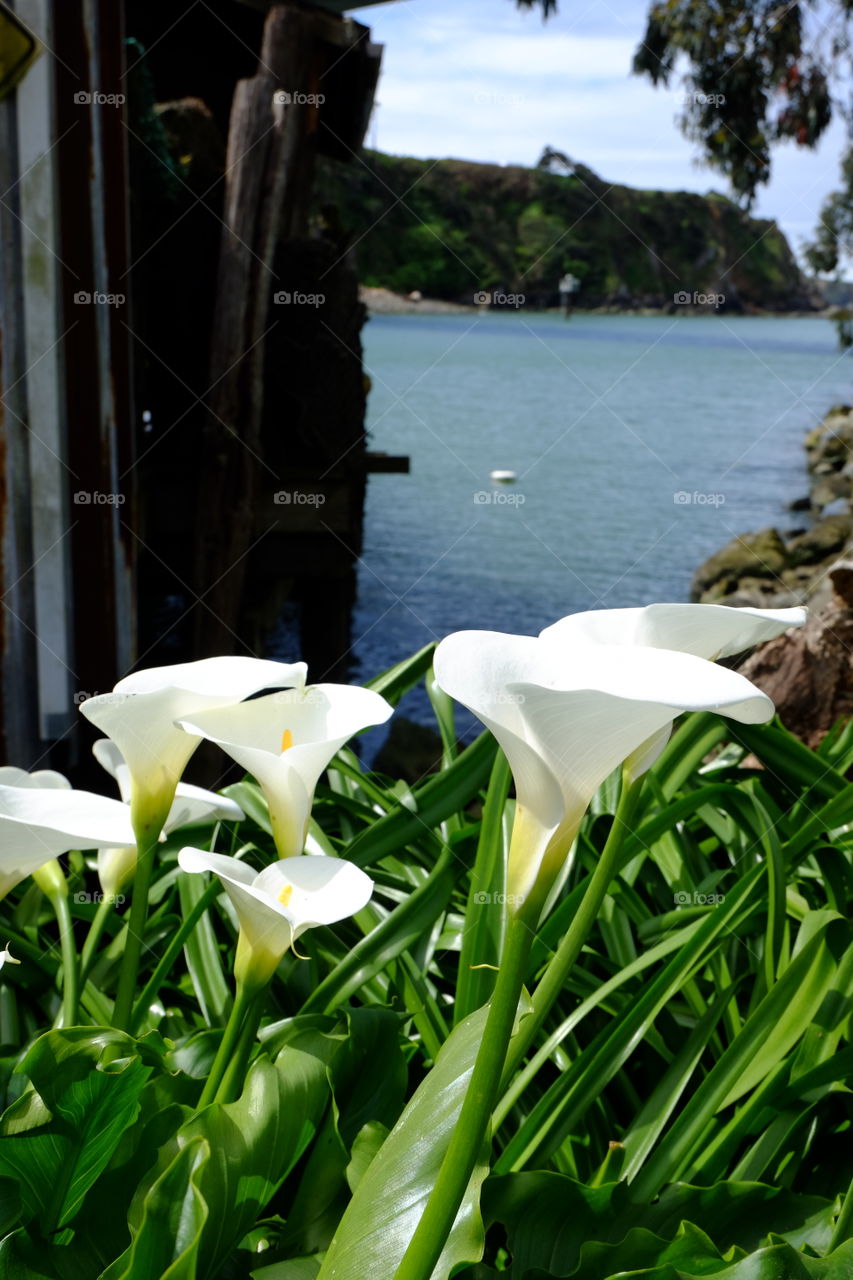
286,740
278,904
39,822
140,716
594,691
706,630
12,776
191,805
6,957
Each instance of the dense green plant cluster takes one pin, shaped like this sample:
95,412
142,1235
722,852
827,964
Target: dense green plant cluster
682,1110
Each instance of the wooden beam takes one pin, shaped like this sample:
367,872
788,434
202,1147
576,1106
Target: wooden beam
265,180
18,679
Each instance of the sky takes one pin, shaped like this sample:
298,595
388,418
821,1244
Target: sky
483,80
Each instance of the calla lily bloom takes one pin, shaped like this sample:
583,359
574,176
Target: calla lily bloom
39,822
705,630
140,714
6,957
12,776
274,907
286,740
593,691
191,805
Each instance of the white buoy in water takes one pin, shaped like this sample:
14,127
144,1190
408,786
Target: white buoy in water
503,477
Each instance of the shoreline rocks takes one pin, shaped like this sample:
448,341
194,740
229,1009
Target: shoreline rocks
808,672
772,569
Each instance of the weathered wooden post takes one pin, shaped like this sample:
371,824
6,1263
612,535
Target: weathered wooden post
66,586
18,690
274,129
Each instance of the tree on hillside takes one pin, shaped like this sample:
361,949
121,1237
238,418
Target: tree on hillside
756,73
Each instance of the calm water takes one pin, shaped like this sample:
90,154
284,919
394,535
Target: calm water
641,444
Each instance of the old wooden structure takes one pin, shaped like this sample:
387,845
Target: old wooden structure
138,434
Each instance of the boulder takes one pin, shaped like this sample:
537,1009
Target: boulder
830,488
808,672
830,443
750,555
828,536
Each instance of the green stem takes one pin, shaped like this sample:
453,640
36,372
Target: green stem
466,1142
70,967
147,838
235,1074
560,965
172,951
93,937
229,1043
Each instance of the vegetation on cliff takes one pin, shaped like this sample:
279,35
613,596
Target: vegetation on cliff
452,228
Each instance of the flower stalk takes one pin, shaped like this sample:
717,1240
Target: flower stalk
235,1043
51,880
147,827
471,1129
561,963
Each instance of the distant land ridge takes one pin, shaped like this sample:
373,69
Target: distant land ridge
453,228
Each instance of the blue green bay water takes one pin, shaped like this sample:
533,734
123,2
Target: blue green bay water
641,443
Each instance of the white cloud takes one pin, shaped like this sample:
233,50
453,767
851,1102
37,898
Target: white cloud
481,80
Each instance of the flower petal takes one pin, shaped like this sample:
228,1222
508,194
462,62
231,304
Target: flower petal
140,714
318,890
705,630
481,669
315,721
11,776
234,677
191,804
110,758
37,823
567,712
264,922
194,804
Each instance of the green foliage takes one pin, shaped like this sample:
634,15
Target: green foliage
450,228
682,1110
755,76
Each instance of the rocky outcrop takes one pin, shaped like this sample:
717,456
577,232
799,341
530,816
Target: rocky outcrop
750,556
807,672
769,570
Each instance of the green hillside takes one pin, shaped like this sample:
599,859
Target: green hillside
452,227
